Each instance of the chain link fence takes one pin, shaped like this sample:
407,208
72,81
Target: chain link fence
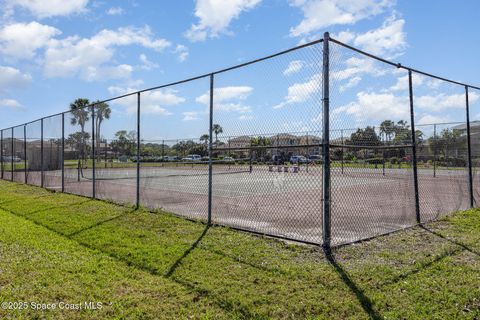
322,143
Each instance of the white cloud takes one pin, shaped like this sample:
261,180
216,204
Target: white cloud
301,92
430,119
442,101
376,106
434,83
228,99
115,11
388,41
20,40
10,103
152,102
232,107
190,116
129,35
50,8
389,38
147,64
12,78
122,71
319,14
344,36
402,82
225,93
245,117
355,67
352,82
294,67
215,17
182,52
74,55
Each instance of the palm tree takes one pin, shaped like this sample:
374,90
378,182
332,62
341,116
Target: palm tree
80,113
204,138
217,129
387,128
102,112
80,116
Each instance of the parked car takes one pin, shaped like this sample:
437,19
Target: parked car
11,158
314,158
298,159
192,157
172,158
278,159
228,159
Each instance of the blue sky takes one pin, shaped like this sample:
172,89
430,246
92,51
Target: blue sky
53,52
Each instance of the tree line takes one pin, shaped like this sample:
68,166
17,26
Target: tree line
447,143
389,133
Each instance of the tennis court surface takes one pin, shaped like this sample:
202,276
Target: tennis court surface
366,202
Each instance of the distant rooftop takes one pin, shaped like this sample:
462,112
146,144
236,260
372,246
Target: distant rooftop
463,126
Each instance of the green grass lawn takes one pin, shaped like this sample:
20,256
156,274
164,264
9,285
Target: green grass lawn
63,248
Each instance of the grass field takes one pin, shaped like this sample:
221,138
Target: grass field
63,248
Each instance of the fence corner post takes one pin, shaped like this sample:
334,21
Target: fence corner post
137,203
326,222
94,191
1,154
210,147
469,150
25,152
63,152
414,148
41,153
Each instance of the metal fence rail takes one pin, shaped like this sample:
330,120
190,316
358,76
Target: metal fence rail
322,143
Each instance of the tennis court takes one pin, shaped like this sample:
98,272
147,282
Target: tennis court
243,122
366,202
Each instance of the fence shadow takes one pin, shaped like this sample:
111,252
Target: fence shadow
99,223
364,301
458,243
177,263
425,265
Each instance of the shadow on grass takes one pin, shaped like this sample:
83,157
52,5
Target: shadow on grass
200,292
2,206
458,243
421,267
17,199
57,207
425,265
365,302
99,223
177,263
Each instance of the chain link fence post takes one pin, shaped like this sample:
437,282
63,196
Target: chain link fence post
343,150
414,148
469,149
435,150
163,153
93,153
326,143
25,152
138,151
63,152
1,154
383,155
12,146
41,152
210,147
